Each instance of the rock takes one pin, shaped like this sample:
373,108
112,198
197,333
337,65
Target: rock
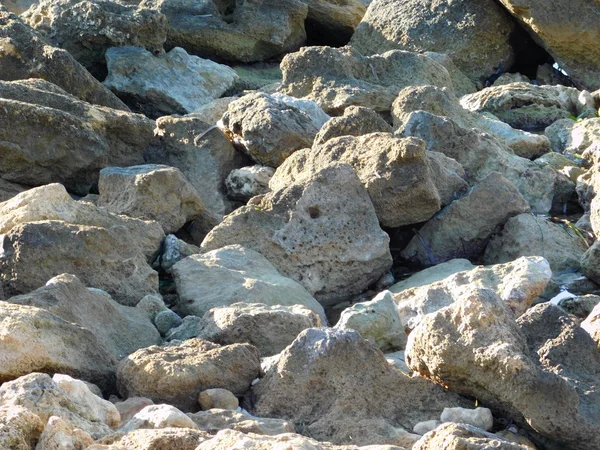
572,137
425,427
478,417
356,121
441,102
190,327
159,416
235,274
25,54
19,6
247,182
448,177
212,111
130,407
376,320
268,129
557,161
150,192
482,31
462,84
322,364
334,21
575,50
464,228
395,172
20,429
166,320
9,190
463,436
173,83
313,234
43,396
174,250
159,439
60,434
509,78
244,32
201,365
518,283
66,297
580,306
269,328
215,420
480,154
87,29
151,305
528,107
338,78
529,235
592,325
50,136
432,274
590,262
588,188
217,398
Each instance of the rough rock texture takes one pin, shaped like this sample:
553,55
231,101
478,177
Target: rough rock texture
49,136
356,121
218,399
481,31
269,328
159,416
219,419
569,31
233,274
20,429
334,20
268,129
588,191
580,306
529,235
66,297
396,173
150,192
573,138
463,436
173,251
478,417
463,229
441,102
311,233
432,274
247,182
174,83
86,29
160,439
200,365
590,262
549,365
166,320
61,434
518,283
314,384
245,32
336,78
24,54
462,84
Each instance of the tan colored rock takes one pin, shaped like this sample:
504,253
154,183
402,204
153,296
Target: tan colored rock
356,121
215,420
478,417
201,365
334,20
60,434
158,416
312,233
462,83
212,111
218,399
159,439
432,274
463,436
20,429
131,406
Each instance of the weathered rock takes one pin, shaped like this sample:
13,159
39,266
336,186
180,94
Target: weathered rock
334,20
60,434
463,436
247,182
529,235
573,137
580,306
464,228
25,54
313,234
323,393
590,262
245,32
66,297
190,327
432,274
18,6
480,154
592,325
201,365
269,129
448,177
356,121
518,283
426,426
509,78
173,251
130,407
336,78
218,399
49,136
478,417
212,111
166,320
235,274
158,439
482,31
43,396
150,305
575,49
219,419
396,173
174,83
269,328
9,190
159,416
588,190
442,102
87,29
376,320
20,429
462,83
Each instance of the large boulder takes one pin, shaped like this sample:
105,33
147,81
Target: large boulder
464,228
86,29
336,78
173,83
317,386
25,54
569,31
322,232
247,31
49,136
199,365
234,274
481,29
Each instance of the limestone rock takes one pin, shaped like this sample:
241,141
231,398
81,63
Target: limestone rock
464,228
478,417
201,365
25,54
150,305
87,29
60,434
481,28
448,177
173,83
356,121
338,78
313,234
247,182
235,274
20,429
463,436
212,111
215,420
218,399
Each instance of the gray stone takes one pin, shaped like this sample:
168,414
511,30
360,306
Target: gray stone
247,182
478,417
433,274
166,320
173,251
215,420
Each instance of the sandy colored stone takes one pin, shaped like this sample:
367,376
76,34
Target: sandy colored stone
218,399
356,121
464,436
215,420
20,429
60,434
